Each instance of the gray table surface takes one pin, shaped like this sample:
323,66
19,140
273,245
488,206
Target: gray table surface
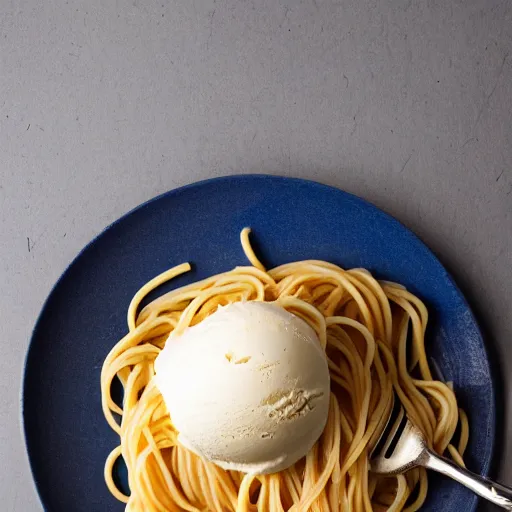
103,105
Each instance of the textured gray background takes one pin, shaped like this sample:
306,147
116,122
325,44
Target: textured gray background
103,105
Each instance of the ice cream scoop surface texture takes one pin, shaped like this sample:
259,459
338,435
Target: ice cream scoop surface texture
247,388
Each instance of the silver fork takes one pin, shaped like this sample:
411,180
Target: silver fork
403,447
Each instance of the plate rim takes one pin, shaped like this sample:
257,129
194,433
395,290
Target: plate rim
492,427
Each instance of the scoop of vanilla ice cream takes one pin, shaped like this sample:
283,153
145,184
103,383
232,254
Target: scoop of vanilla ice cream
247,388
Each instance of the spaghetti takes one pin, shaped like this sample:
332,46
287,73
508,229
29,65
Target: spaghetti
373,335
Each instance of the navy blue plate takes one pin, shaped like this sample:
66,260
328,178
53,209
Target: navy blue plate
67,437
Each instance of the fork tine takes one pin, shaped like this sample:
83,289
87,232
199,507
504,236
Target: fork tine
382,425
393,432
381,437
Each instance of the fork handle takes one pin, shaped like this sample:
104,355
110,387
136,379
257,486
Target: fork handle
492,491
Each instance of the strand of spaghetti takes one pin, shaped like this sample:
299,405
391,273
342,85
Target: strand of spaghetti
319,291
355,364
447,423
374,285
213,487
418,335
248,250
152,500
416,397
167,477
344,343
149,287
456,455
373,304
183,294
243,504
109,466
135,422
370,352
275,492
422,311
132,339
401,495
286,269
226,484
259,286
329,466
338,276
414,414
262,502
308,314
400,291
188,473
464,431
383,410
422,492
262,275
351,490
192,308
131,357
205,493
290,485
294,282
135,383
